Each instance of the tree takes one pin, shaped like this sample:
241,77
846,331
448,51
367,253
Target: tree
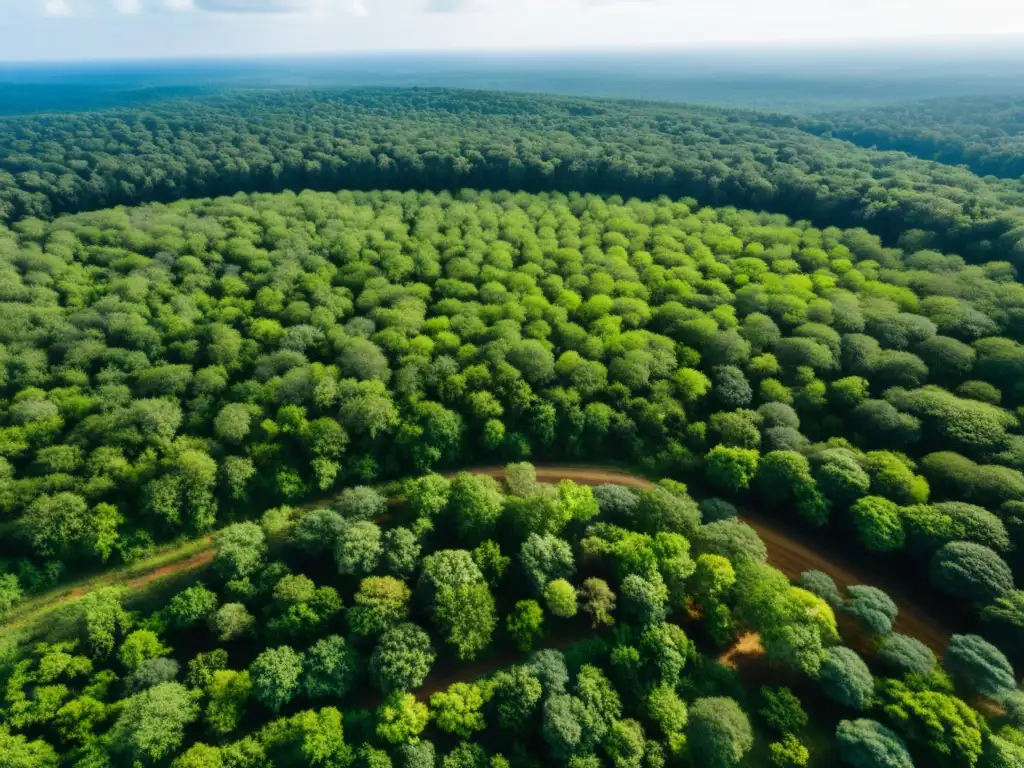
103,620
669,712
230,621
466,616
872,608
141,645
730,387
241,548
475,503
19,752
732,539
879,524
152,723
459,709
401,718
515,695
644,599
360,503
546,558
233,422
789,752
616,502
428,495
563,725
712,510
846,678
330,668
869,744
624,744
718,732
275,676
521,479
525,623
981,665
731,468
560,597
597,599
782,710
418,754
906,655
380,602
447,567
840,476
318,531
191,606
713,578
491,562
228,693
659,510
199,755
358,548
971,571
401,551
402,659
822,585
944,728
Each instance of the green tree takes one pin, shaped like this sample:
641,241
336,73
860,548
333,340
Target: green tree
718,732
846,678
402,659
731,469
401,718
228,693
467,617
869,744
330,668
560,598
459,709
980,664
380,602
275,676
526,623
971,571
151,724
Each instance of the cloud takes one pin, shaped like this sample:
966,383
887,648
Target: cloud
448,6
258,6
58,8
179,5
130,7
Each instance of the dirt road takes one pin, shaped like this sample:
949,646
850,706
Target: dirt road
788,550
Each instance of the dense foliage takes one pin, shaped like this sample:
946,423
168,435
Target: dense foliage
170,368
982,132
448,139
273,661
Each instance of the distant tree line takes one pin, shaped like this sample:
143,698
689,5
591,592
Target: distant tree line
448,139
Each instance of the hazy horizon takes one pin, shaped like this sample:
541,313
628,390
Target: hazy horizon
95,30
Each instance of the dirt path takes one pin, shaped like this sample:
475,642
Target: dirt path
788,550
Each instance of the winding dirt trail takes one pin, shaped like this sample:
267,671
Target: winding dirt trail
788,550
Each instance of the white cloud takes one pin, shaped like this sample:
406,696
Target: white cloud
259,6
58,8
179,5
129,7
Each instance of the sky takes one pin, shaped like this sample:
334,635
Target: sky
72,30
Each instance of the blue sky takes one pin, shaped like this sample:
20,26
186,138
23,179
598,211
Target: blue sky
48,30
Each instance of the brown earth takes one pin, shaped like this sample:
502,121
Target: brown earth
788,550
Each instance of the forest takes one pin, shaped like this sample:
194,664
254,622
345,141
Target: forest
446,140
982,133
293,333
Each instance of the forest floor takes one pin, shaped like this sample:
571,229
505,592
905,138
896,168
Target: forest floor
789,550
